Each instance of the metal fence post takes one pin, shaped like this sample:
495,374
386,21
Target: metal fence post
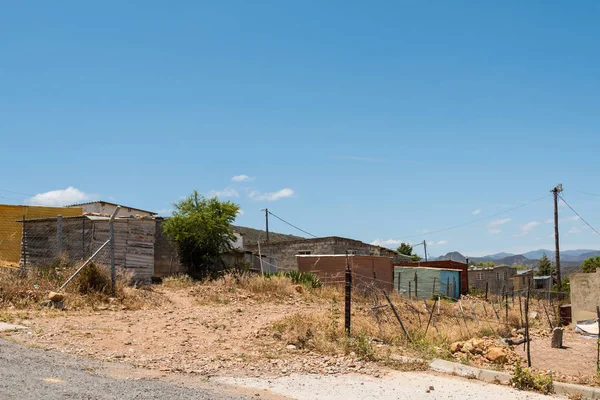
348,299
113,268
59,234
24,246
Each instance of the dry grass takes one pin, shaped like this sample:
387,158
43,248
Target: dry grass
20,290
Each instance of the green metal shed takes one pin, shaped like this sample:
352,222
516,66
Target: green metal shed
423,282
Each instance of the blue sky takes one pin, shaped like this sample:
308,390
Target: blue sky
377,121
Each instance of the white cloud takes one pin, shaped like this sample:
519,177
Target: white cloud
476,212
242,178
60,197
529,226
227,192
240,212
574,230
493,225
163,212
386,242
438,243
271,196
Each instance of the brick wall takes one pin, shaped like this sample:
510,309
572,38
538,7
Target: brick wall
285,252
365,270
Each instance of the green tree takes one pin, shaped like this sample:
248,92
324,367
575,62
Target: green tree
486,264
591,264
405,249
545,266
519,267
201,231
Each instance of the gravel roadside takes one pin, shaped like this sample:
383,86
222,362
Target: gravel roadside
395,385
37,374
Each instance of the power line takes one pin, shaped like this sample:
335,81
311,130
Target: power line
476,220
293,226
588,193
580,217
11,191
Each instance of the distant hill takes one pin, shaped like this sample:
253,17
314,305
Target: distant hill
453,255
498,256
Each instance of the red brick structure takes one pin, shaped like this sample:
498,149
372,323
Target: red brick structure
365,269
446,264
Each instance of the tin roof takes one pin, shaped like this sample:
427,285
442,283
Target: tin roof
112,204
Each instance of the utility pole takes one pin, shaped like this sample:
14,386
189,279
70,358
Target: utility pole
555,192
425,248
266,210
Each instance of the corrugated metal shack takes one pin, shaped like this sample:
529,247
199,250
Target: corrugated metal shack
80,236
422,282
366,270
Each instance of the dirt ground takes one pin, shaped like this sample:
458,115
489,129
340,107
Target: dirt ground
232,338
576,361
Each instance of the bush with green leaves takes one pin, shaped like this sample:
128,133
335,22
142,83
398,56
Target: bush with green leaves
523,379
200,228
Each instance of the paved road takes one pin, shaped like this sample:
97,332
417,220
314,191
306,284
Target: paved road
27,373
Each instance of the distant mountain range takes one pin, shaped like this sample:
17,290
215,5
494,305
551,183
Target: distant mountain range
569,259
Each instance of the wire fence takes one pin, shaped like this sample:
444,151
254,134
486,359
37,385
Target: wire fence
525,324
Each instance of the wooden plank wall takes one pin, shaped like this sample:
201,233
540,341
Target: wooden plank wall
40,240
134,243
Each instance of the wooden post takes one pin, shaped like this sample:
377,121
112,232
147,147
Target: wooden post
454,287
348,299
486,290
416,292
547,316
431,316
433,288
527,338
399,276
409,293
506,306
396,314
59,235
448,287
520,309
598,349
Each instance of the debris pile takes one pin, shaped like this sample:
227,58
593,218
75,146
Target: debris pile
484,351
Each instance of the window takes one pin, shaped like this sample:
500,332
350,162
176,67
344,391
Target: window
498,276
501,276
304,252
479,276
505,276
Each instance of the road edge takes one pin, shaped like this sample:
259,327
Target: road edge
490,376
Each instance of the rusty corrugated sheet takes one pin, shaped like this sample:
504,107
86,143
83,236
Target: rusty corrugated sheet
11,231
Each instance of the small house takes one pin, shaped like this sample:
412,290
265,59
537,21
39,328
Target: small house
521,279
496,279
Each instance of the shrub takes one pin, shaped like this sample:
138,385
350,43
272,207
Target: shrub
93,278
523,379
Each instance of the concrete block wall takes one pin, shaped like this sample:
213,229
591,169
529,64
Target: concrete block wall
585,295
